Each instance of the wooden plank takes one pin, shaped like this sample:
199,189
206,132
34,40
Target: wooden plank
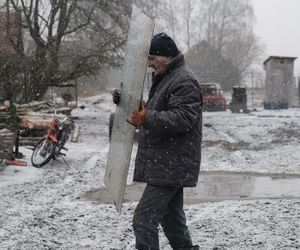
138,44
6,155
29,141
75,134
7,139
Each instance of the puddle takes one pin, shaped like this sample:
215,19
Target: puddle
218,187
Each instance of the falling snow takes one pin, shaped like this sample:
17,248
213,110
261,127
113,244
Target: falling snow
42,209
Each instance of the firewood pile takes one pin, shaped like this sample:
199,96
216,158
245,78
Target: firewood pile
39,120
23,109
37,117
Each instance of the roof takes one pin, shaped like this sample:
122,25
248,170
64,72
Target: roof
239,87
280,58
211,85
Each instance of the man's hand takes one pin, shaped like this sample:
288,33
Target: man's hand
116,95
138,117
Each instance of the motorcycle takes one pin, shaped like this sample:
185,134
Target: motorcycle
53,143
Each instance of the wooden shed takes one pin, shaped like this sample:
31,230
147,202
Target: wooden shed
280,82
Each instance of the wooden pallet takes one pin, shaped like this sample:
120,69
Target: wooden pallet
7,143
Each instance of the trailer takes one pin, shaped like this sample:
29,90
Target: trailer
213,99
238,100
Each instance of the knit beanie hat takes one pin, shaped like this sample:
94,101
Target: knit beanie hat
163,45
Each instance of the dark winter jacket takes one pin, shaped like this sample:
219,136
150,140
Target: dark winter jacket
169,146
10,118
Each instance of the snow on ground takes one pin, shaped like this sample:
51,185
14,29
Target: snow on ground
41,209
266,141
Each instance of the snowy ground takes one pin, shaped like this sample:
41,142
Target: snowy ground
41,209
264,141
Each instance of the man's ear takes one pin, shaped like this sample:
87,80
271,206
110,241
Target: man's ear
169,59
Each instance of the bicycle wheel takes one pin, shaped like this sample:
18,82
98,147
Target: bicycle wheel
42,153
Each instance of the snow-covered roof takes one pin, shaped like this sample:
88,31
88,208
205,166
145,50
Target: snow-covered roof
280,58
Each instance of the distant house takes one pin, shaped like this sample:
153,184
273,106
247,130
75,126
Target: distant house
210,66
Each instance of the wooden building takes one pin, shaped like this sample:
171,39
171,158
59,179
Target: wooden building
280,82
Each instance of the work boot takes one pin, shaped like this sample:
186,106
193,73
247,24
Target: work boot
188,248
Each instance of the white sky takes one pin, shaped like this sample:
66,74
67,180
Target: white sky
278,25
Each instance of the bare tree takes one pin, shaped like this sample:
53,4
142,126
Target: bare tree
225,24
228,27
167,17
245,50
66,39
187,16
171,17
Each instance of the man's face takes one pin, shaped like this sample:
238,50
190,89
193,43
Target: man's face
158,63
6,104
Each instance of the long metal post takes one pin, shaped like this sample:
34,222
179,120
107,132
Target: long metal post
76,92
252,87
298,81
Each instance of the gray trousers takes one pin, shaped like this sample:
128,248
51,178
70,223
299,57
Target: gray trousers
160,205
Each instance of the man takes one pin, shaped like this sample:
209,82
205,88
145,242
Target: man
169,147
13,119
10,108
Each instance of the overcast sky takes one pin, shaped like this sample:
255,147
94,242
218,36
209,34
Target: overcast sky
278,25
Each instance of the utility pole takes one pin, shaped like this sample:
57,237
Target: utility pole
76,92
298,85
252,87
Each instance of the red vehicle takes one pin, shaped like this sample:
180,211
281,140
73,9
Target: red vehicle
212,97
54,141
